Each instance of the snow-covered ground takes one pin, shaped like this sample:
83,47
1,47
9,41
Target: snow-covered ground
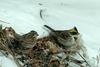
24,15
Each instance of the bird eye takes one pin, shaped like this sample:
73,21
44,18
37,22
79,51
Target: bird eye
9,30
75,38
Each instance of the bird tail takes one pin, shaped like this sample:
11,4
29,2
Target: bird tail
49,28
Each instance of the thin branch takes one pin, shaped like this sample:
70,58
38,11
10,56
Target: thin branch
41,11
84,59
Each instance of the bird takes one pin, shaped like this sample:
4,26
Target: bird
29,39
7,35
64,38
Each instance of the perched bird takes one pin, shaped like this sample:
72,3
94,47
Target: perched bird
64,38
6,36
28,40
11,37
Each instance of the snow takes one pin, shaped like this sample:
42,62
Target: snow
6,62
24,15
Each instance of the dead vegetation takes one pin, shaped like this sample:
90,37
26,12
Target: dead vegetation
55,50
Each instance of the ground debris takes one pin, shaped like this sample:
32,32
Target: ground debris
49,51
